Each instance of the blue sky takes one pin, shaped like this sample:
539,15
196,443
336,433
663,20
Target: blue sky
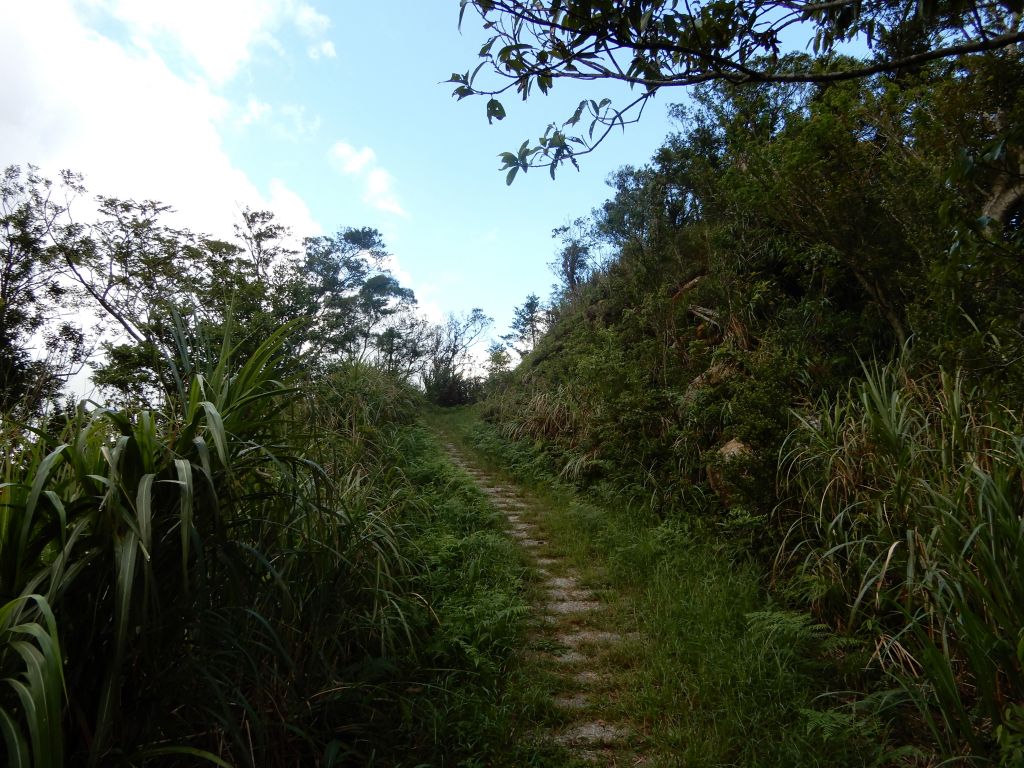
331,114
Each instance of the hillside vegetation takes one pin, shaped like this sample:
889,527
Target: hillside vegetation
243,550
799,329
783,362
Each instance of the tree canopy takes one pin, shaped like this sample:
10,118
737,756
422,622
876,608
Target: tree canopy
126,294
655,44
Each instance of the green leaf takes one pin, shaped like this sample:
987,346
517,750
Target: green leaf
184,472
495,111
144,511
576,115
215,426
18,755
202,754
46,467
476,71
511,175
39,689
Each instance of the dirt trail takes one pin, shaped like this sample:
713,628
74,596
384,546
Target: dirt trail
570,639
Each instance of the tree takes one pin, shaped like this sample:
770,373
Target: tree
498,359
344,291
264,240
402,347
655,44
528,323
449,355
161,294
572,265
39,346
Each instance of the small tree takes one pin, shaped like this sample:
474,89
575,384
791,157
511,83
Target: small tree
403,345
528,325
498,359
446,376
39,348
573,263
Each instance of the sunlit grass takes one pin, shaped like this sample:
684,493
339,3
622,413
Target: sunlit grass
717,675
258,572
907,530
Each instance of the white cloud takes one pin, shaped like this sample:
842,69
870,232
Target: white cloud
323,50
123,118
289,207
255,110
310,21
350,160
379,192
217,36
378,184
296,125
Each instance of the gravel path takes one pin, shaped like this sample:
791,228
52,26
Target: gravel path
569,631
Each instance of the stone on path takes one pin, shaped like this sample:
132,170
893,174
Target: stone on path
592,733
570,657
559,593
563,582
572,701
590,636
563,605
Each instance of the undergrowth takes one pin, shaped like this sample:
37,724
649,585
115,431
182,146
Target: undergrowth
732,678
261,572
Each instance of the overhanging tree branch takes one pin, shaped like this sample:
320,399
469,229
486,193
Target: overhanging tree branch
674,44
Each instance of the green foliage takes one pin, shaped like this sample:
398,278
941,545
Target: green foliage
527,326
252,575
723,677
32,299
252,556
755,266
710,374
655,44
30,654
908,518
147,286
447,376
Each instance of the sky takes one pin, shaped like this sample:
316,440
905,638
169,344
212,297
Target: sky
331,113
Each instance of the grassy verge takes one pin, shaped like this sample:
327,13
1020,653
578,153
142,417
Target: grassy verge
255,575
724,677
470,578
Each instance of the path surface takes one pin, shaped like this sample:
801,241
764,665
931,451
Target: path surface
571,639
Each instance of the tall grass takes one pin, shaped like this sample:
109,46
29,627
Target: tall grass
201,573
906,527
264,571
722,676
34,667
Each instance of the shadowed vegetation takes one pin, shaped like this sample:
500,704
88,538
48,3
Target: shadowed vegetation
773,405
797,338
253,556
